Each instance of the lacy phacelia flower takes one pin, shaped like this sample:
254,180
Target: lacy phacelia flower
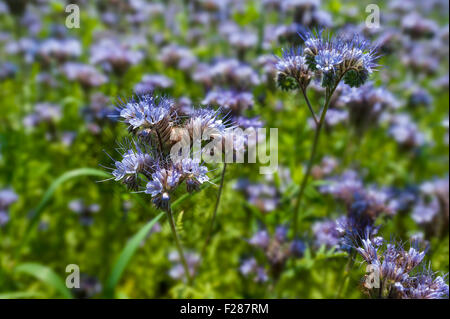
292,70
234,74
431,211
133,162
265,197
178,57
234,101
145,111
114,56
366,104
395,272
59,49
194,174
250,267
85,74
405,131
163,182
43,113
151,82
352,60
363,205
151,161
326,234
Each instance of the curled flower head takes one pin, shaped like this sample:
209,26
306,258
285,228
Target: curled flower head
146,111
397,271
359,61
207,123
292,70
352,60
193,173
134,161
163,182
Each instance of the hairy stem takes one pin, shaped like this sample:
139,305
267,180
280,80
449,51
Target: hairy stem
178,244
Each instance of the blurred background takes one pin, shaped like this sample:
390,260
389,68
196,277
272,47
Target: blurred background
61,80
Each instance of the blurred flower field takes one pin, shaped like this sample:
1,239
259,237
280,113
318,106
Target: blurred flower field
89,114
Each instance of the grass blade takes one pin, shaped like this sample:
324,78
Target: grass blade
46,275
37,212
125,256
19,295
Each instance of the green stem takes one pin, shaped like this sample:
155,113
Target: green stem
309,105
311,158
216,207
178,244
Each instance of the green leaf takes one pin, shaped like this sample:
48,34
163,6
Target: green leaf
37,212
20,294
46,275
125,256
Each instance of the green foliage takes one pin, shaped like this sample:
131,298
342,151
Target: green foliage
44,235
46,275
125,256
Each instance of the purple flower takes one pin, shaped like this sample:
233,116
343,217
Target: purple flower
43,112
114,55
178,57
260,239
236,102
177,271
405,131
326,233
59,49
163,180
134,161
292,70
146,111
193,173
150,82
85,74
248,266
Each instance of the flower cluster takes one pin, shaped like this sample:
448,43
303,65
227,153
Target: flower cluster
156,127
432,208
43,113
396,272
363,206
85,74
351,60
114,55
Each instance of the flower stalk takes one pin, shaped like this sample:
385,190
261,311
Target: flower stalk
318,129
177,243
216,208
